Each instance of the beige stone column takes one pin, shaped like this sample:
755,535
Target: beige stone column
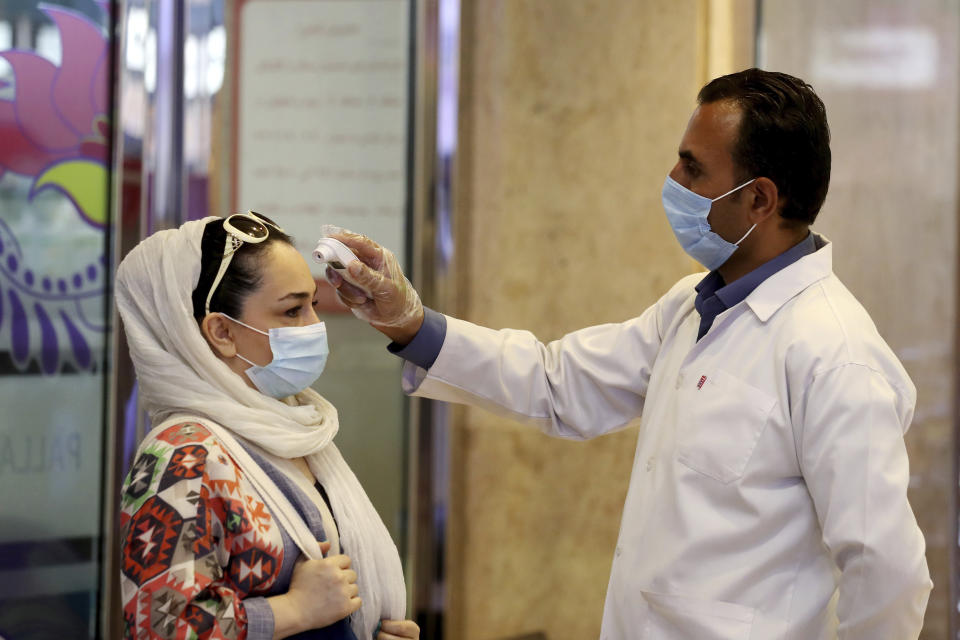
571,112
728,40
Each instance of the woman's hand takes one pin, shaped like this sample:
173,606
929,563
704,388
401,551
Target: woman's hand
398,630
321,593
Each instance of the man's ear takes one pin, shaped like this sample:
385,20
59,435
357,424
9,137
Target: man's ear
219,334
766,200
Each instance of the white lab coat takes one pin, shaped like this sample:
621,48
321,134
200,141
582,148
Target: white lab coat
768,498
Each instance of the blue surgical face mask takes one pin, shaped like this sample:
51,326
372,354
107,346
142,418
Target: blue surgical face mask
687,213
299,356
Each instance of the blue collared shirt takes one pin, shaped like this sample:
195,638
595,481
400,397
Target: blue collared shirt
425,346
714,296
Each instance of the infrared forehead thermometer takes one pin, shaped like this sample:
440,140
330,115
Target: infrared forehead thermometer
338,256
334,253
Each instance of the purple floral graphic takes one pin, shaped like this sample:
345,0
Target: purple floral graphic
32,307
55,132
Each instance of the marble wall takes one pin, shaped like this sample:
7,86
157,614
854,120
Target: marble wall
571,113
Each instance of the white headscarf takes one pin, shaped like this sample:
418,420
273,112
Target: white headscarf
180,376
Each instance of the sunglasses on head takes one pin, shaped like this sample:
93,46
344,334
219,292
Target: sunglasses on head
248,227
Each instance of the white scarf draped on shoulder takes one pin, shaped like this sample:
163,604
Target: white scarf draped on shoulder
180,377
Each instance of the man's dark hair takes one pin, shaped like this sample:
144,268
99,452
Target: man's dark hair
242,277
783,136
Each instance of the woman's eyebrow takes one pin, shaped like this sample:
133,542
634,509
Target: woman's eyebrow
300,295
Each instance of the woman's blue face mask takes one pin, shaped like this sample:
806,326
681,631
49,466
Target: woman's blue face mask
299,356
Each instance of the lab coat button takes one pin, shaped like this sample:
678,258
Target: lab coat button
650,462
617,552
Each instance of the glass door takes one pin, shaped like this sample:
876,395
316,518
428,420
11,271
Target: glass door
55,72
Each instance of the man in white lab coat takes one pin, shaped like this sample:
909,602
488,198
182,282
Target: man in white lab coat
769,492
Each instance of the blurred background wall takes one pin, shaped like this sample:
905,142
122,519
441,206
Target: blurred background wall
888,74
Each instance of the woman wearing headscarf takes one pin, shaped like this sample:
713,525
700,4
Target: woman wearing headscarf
240,518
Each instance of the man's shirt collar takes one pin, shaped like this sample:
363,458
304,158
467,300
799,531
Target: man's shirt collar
714,296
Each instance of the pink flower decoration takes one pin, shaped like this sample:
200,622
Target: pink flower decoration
58,113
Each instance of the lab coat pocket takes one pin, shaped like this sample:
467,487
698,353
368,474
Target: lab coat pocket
672,617
720,419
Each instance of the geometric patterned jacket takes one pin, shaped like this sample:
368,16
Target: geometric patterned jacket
201,550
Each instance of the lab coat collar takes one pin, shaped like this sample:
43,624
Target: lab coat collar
776,290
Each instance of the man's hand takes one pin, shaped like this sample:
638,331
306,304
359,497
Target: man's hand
375,288
398,630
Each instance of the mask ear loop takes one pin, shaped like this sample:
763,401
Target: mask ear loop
229,317
734,189
749,231
244,324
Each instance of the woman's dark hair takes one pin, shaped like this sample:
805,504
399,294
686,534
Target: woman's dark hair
783,136
242,277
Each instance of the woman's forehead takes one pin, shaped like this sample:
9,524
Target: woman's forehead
285,268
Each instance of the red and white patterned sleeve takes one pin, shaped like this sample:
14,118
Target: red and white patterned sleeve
200,549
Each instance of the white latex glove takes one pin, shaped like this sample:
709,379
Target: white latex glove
374,287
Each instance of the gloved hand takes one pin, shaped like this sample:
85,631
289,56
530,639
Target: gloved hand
375,288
